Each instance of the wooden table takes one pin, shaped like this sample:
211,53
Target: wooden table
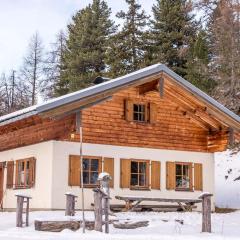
131,202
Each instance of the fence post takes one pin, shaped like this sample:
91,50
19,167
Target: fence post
206,212
98,210
104,179
70,204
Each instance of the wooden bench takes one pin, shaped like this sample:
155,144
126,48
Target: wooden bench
133,202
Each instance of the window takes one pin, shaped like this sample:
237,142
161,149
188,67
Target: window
25,173
183,176
91,169
138,174
143,112
139,112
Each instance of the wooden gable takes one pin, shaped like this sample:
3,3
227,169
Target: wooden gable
176,119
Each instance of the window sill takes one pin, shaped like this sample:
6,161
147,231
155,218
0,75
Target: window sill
22,187
183,190
140,189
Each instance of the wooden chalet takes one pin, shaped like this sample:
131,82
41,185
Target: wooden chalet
153,131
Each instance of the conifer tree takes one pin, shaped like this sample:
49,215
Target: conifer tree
224,31
198,60
85,55
173,32
54,65
128,47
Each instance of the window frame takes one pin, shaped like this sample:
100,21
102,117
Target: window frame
26,172
91,185
147,174
140,113
189,164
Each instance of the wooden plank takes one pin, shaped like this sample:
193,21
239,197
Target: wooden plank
135,198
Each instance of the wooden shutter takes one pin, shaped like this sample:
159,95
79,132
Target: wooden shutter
32,171
109,168
128,110
155,174
10,173
125,173
198,178
74,170
171,175
152,112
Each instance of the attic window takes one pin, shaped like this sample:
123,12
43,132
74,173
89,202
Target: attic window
139,112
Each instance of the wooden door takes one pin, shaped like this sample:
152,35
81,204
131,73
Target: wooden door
1,183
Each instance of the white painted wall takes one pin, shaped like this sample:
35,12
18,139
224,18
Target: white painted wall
52,172
62,150
41,192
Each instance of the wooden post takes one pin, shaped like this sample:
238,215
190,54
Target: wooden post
206,212
70,204
104,179
27,212
19,211
98,210
21,199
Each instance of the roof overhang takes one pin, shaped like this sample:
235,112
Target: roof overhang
97,93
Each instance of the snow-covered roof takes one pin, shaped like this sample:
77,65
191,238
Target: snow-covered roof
115,84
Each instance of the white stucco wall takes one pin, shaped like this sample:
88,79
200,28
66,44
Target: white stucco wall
52,159
62,150
41,192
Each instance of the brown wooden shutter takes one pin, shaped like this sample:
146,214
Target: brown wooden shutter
10,173
198,178
16,174
148,174
74,170
32,171
109,168
128,110
125,173
155,174
171,175
152,112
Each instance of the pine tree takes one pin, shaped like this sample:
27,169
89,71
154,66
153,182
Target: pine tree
32,69
85,55
54,65
128,48
197,67
173,32
224,31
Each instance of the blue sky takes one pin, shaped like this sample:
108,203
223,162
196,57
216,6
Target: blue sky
20,19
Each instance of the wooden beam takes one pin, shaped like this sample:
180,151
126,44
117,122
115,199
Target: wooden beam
77,104
161,87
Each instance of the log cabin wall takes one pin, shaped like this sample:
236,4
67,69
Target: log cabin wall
105,123
35,130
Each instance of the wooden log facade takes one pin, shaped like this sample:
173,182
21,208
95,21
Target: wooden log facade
180,123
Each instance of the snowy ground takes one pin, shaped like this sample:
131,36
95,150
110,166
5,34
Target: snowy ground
162,226
227,179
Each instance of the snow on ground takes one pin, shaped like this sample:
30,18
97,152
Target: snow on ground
161,226
227,179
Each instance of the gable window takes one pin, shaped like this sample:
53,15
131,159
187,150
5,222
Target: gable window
25,173
183,176
91,169
142,112
139,112
138,177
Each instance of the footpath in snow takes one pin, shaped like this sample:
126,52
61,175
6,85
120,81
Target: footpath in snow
161,226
